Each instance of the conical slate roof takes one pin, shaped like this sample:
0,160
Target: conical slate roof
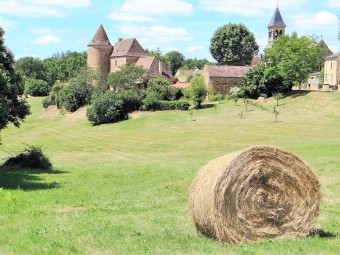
277,20
100,38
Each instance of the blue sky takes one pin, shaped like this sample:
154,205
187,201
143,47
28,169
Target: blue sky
41,28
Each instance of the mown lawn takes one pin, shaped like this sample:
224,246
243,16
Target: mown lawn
123,188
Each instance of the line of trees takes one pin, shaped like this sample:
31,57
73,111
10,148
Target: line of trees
40,75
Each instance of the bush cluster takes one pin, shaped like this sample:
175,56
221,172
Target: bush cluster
71,96
30,157
36,87
108,108
114,106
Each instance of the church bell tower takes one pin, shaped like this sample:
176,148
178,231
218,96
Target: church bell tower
276,27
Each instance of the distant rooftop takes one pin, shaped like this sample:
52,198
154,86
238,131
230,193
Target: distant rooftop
277,20
227,71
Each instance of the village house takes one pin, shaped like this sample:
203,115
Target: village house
220,79
102,56
332,71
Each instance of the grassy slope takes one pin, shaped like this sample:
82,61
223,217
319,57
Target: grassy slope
123,188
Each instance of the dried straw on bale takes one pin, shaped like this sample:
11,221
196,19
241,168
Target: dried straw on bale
261,192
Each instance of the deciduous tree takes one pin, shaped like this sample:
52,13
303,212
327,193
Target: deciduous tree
126,77
293,58
13,108
176,60
233,44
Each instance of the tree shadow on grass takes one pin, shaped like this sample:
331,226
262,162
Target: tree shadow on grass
322,234
206,106
26,179
297,93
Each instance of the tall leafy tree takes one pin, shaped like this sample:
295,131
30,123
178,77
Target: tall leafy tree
293,58
233,44
13,108
126,77
29,67
176,60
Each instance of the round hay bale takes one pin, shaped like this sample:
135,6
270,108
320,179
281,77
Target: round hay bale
259,193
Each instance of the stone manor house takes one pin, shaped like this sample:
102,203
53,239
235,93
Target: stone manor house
103,56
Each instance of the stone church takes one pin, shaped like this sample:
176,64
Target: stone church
102,56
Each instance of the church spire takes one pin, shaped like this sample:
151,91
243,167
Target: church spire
277,20
276,27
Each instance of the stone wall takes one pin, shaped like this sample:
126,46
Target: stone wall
222,85
116,63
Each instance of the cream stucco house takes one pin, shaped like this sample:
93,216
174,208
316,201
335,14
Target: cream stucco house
332,70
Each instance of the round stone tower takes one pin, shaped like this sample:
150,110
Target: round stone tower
99,51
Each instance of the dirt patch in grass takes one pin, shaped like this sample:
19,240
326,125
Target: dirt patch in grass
51,111
138,114
79,115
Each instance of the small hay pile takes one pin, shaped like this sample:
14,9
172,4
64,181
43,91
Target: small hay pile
259,193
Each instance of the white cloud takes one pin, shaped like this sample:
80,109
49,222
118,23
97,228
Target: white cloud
47,39
334,3
320,20
7,24
40,30
129,17
157,33
15,8
246,7
158,7
194,48
65,3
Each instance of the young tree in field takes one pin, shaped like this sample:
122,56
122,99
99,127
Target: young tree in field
126,77
13,108
197,91
233,44
293,58
278,96
176,60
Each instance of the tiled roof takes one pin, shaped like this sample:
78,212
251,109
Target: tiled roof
188,72
227,71
181,85
256,61
334,56
152,65
100,38
145,62
276,20
128,47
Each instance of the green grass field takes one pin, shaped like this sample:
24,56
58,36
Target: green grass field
123,188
